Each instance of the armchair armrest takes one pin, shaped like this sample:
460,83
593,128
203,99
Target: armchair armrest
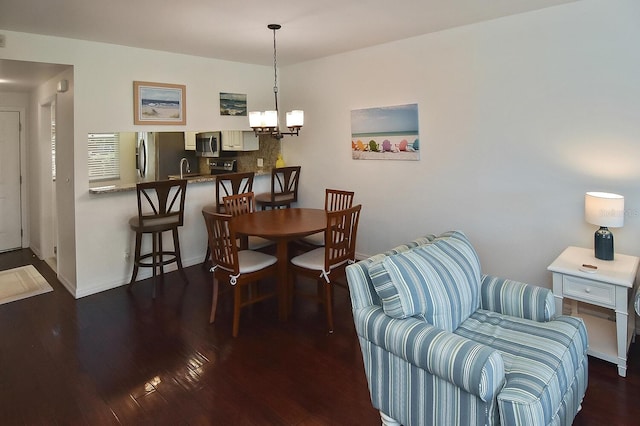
474,367
517,299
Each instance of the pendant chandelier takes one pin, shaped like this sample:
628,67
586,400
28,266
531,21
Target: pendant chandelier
267,122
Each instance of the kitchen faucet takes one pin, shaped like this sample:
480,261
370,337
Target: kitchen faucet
182,161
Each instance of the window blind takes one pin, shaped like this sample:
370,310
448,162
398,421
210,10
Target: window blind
104,156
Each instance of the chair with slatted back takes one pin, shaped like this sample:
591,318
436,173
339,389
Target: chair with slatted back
334,199
326,264
238,204
284,188
228,184
160,209
237,267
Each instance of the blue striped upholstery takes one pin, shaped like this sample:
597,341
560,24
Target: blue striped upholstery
636,302
516,299
539,371
439,281
506,363
370,297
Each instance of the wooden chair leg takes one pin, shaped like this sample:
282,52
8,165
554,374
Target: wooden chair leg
214,300
176,246
154,258
237,304
160,252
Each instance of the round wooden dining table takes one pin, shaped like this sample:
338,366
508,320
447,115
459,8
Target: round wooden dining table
281,226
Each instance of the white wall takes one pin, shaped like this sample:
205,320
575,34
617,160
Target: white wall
94,228
519,117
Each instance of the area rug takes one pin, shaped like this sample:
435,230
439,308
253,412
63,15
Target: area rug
20,283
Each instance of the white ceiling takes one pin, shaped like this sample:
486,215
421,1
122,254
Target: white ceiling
236,30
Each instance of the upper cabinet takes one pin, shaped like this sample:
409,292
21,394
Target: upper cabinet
237,140
190,141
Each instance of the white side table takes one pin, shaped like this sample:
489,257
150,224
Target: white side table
608,286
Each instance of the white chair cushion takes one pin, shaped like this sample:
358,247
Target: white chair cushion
251,261
313,259
315,239
256,243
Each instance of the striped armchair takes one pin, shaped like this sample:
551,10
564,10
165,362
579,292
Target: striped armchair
445,345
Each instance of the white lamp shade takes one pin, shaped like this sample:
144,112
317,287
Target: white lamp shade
256,119
295,118
604,209
271,119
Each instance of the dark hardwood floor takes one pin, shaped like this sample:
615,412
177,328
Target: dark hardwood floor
121,358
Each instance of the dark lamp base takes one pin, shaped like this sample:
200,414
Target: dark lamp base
603,244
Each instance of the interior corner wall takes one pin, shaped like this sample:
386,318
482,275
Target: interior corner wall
518,117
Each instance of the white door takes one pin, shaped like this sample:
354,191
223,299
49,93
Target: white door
10,211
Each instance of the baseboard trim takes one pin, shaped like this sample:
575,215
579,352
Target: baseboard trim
143,273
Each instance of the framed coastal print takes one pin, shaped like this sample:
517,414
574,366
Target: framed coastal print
385,133
159,103
233,104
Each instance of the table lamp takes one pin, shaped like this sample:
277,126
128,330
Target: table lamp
605,210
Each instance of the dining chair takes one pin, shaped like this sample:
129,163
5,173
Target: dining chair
327,263
284,188
237,267
334,199
160,209
228,184
239,204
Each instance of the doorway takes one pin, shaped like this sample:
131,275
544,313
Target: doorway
49,212
10,181
53,261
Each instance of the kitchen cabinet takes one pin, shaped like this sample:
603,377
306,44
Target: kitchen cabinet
237,140
190,141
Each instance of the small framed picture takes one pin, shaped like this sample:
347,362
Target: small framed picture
233,104
159,103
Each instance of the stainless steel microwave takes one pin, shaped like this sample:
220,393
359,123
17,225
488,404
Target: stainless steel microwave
208,144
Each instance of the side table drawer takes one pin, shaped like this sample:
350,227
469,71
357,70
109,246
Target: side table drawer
589,291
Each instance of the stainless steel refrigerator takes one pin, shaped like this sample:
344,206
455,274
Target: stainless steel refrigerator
158,155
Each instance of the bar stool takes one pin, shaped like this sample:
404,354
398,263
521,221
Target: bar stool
284,188
227,184
160,209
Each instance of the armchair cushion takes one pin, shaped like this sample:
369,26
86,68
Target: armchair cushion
540,360
438,282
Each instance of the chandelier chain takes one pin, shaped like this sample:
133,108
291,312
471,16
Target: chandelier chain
275,69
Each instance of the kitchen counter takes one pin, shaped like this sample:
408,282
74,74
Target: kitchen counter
191,178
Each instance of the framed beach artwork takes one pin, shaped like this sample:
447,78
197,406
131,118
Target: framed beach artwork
385,133
159,103
233,104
